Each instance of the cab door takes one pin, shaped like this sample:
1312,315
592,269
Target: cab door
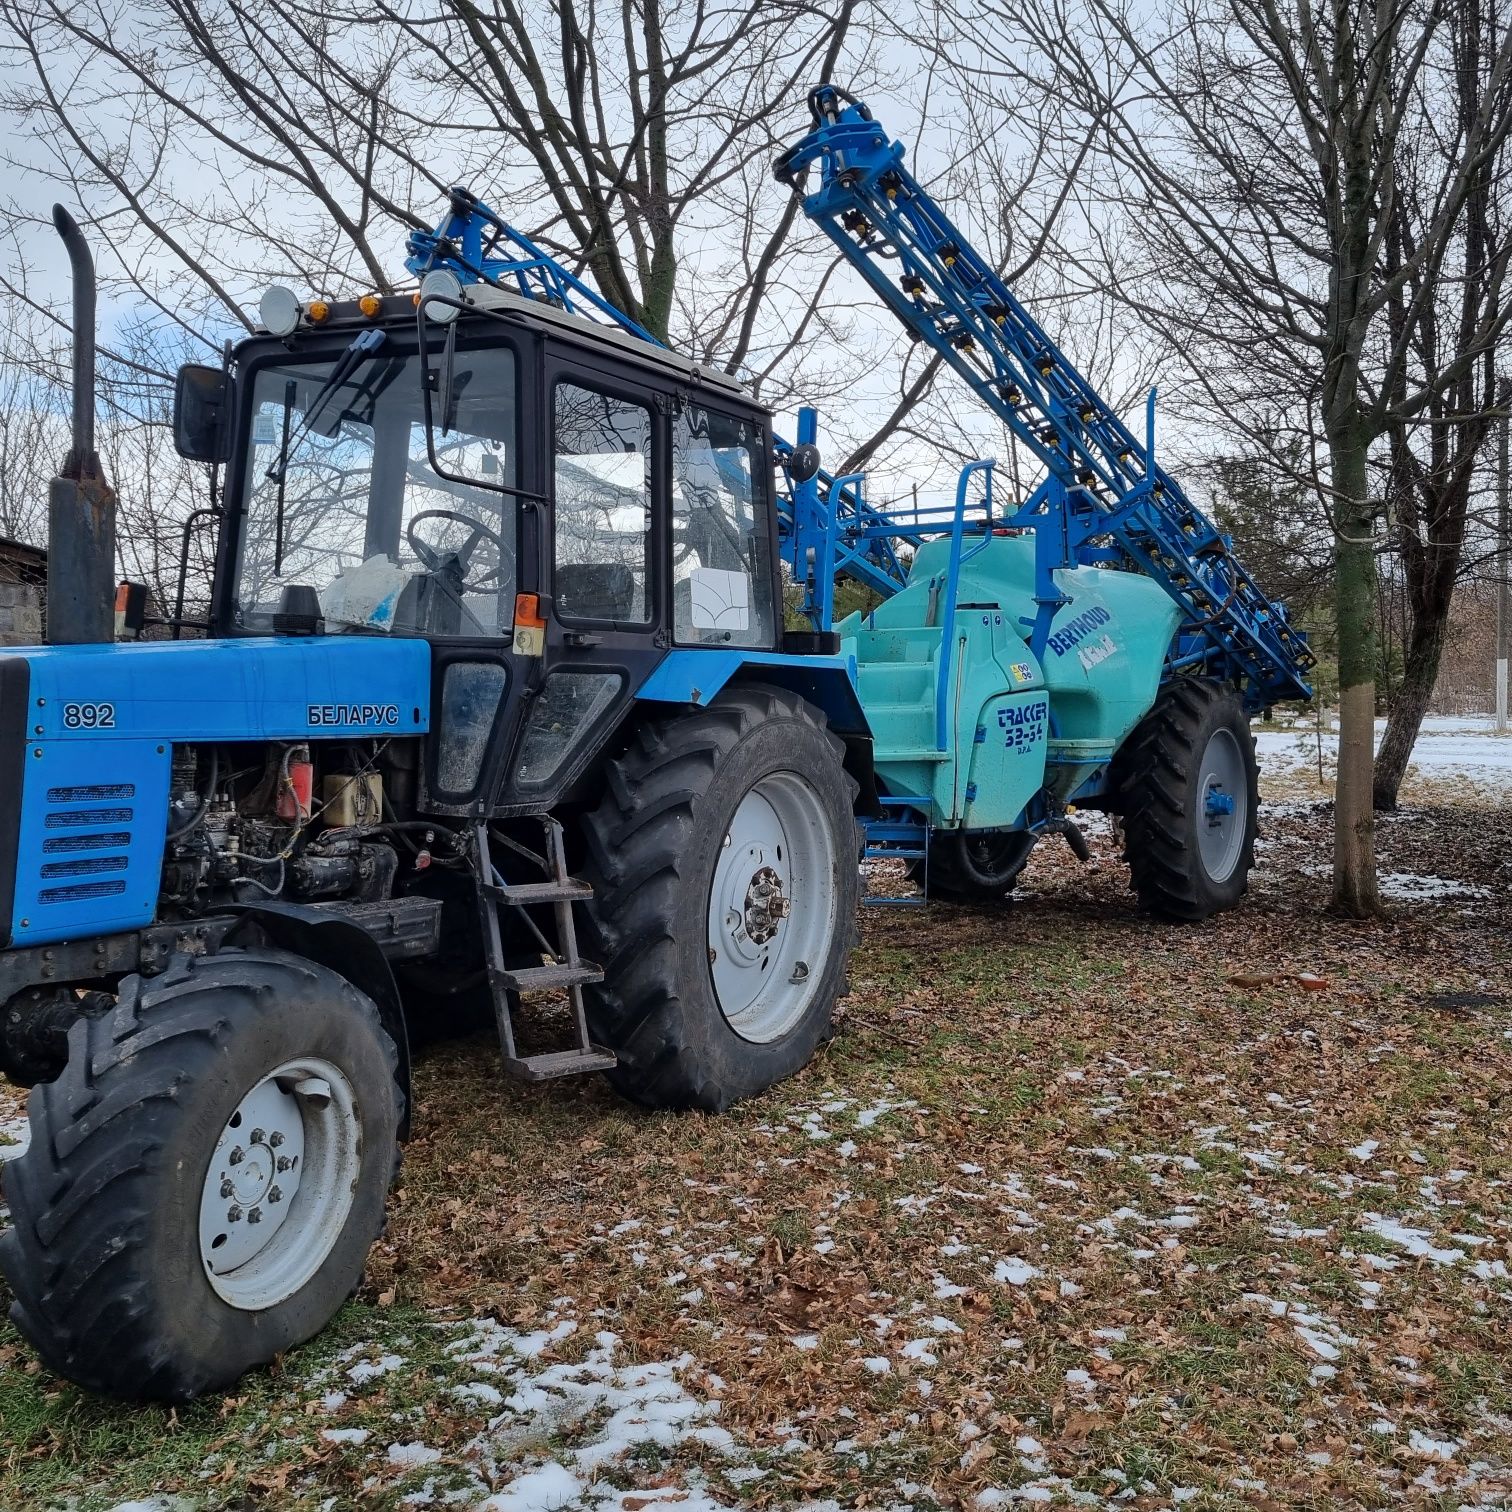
604,598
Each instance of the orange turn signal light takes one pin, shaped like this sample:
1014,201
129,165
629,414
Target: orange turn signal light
528,612
370,305
317,311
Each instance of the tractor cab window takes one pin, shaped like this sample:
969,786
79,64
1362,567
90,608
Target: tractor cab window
602,469
340,494
721,563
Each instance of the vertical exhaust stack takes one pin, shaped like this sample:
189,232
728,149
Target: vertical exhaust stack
80,504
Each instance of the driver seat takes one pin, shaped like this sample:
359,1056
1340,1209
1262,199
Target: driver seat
596,590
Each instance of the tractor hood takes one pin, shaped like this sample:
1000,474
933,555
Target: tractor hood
86,751
320,687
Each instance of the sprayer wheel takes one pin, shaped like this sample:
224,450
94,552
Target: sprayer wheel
1188,794
974,868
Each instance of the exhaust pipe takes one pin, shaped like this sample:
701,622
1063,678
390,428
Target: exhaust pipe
80,503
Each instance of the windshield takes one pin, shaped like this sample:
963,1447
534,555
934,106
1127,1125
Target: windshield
340,494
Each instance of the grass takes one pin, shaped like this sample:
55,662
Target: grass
1109,1188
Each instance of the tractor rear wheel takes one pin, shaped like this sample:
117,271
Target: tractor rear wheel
724,863
1188,792
205,1177
974,868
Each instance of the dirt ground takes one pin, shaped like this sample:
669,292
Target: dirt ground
1075,1209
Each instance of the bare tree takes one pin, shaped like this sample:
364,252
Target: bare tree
218,145
1249,180
32,443
1437,316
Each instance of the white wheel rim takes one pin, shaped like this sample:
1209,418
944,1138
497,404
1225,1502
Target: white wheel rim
280,1184
1222,805
771,914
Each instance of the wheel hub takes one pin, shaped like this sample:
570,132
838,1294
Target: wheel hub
279,1183
766,905
771,913
1222,805
1218,804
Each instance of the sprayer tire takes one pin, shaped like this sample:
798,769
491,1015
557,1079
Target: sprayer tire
655,853
981,868
1161,777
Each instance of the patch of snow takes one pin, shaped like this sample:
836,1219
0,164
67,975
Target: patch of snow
1014,1272
1431,1448
15,1136
1409,887
1417,1242
944,1289
410,1455
369,1370
883,1106
346,1435
546,1489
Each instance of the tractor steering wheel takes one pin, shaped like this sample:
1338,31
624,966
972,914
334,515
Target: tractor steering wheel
436,561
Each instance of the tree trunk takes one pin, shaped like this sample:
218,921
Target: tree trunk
1354,877
1425,647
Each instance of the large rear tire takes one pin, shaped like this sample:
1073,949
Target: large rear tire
1188,790
724,862
205,1177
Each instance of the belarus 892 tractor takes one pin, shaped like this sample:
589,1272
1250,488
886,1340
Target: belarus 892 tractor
496,697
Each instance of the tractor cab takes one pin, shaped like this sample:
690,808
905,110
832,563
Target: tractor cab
551,506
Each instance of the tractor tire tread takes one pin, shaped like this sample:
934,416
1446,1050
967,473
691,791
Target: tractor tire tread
80,1196
636,865
1152,775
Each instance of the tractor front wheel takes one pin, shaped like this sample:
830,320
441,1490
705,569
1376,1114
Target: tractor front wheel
724,863
205,1177
1188,792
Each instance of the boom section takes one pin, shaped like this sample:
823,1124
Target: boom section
475,245
1104,498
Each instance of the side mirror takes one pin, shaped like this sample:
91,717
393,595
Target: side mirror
202,413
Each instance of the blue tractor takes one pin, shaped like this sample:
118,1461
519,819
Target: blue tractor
496,697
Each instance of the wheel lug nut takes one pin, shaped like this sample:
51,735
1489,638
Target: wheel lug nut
237,1155
284,1162
275,1139
226,1189
258,1136
233,1214
275,1194
255,1216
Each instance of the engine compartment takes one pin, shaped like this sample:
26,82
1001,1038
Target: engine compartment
303,820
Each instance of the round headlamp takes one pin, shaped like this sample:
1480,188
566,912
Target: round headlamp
279,310
438,284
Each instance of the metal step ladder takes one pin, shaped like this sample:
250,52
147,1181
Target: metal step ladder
568,972
900,838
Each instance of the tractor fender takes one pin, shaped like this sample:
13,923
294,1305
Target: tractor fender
695,677
343,947
826,680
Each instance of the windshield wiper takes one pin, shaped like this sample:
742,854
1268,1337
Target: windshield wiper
366,343
363,347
